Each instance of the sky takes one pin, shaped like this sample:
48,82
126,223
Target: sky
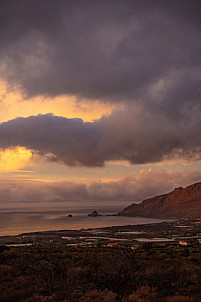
100,101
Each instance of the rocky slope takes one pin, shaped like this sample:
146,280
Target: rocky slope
182,202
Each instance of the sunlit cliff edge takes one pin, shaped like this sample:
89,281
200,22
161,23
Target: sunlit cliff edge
180,203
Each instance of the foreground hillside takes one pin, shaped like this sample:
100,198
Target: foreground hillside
182,202
54,274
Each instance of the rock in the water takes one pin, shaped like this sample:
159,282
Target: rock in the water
94,214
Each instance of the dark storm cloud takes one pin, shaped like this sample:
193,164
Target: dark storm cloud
147,51
144,54
70,141
129,133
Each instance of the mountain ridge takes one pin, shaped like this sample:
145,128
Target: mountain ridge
179,203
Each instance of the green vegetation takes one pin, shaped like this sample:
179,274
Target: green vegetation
60,273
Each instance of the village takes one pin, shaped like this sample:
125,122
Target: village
172,234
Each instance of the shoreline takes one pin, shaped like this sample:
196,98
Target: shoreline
125,236
83,230
166,220
29,222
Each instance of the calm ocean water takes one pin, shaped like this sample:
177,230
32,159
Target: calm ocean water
22,220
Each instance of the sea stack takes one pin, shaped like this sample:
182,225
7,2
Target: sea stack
94,214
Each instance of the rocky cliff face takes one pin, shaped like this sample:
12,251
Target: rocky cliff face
182,202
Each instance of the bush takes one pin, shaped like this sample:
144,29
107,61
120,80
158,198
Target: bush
98,296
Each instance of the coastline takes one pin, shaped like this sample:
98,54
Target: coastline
42,221
70,234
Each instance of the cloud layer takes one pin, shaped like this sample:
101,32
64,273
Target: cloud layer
111,50
130,189
127,134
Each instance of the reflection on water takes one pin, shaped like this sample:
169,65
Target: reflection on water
14,223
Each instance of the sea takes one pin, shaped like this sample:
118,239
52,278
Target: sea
15,220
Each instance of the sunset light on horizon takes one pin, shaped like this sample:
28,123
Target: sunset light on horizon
103,95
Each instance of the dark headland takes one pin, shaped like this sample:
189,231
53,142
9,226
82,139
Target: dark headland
182,202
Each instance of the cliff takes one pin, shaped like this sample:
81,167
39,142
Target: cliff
182,202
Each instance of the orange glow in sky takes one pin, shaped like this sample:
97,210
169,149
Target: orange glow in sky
12,160
13,104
